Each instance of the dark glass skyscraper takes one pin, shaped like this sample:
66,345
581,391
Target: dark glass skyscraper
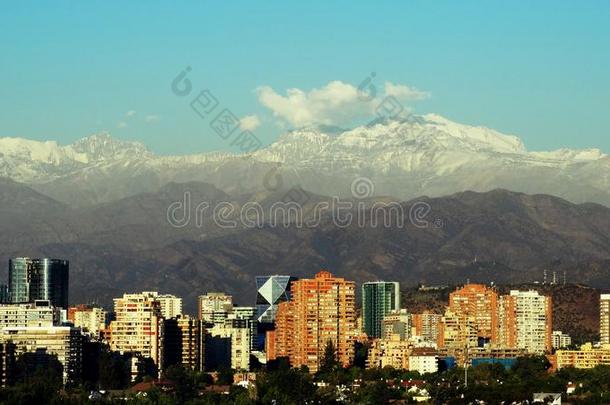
378,299
38,279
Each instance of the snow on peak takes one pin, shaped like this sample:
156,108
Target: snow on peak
47,151
482,136
104,147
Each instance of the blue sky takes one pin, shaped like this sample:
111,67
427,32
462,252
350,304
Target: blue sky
540,70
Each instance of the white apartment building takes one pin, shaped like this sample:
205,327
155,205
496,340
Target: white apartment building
423,363
532,321
39,313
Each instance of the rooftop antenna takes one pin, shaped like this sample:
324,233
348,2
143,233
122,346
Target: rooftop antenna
554,278
564,277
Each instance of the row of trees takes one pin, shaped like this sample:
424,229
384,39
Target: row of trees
41,382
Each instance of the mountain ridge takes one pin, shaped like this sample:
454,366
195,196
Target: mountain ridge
408,157
129,245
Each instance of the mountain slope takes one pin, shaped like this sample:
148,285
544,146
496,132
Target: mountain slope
128,244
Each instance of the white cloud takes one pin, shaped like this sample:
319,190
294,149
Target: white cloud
404,92
336,103
122,124
152,118
249,122
130,113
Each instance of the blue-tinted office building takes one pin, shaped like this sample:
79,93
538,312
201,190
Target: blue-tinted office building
38,279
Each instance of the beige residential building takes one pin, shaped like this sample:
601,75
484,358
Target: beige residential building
91,319
604,318
402,355
393,352
587,357
138,327
426,325
39,313
171,306
65,342
458,330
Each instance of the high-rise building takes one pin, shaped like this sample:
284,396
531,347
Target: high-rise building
65,342
426,325
90,319
38,279
183,342
604,318
214,307
171,306
40,314
270,292
477,306
525,321
378,299
322,310
458,330
228,345
138,326
245,317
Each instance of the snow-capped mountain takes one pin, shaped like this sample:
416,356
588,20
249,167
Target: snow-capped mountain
405,158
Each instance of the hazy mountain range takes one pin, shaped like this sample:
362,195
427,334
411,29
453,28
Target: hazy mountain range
421,155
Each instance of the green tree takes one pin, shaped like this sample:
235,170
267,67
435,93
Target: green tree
329,362
285,385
